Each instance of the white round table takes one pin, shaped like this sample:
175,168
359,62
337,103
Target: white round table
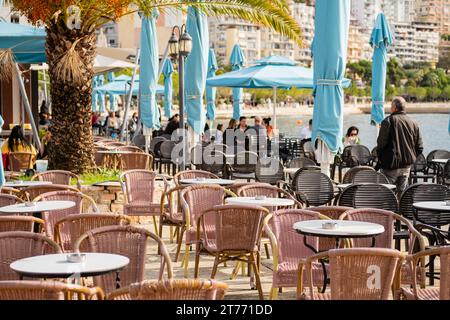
57,266
25,184
114,152
108,184
222,182
439,206
40,206
266,202
346,185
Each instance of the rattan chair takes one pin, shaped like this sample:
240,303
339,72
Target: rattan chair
68,229
139,187
20,161
128,241
355,274
440,293
174,289
135,161
196,199
130,148
20,223
10,191
60,177
388,220
81,201
288,247
32,192
231,233
47,290
9,199
16,245
172,213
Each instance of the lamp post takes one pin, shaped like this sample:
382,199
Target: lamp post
179,48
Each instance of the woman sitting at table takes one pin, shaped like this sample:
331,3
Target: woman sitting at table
17,143
351,138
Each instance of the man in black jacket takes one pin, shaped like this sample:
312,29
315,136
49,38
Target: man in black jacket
399,143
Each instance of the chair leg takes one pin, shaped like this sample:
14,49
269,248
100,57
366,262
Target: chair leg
273,294
197,261
171,234
179,242
156,226
214,270
161,228
266,247
235,271
258,280
186,261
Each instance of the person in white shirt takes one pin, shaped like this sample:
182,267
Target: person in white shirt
219,134
306,132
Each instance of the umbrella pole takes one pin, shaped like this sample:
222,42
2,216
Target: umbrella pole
274,107
130,96
26,104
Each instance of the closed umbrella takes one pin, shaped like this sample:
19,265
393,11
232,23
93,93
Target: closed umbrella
196,69
149,64
94,94
380,40
211,91
112,98
168,87
237,61
329,52
101,97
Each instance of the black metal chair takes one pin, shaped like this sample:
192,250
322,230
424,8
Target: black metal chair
352,156
312,187
166,157
369,176
301,163
368,196
269,170
434,168
446,174
155,146
419,170
350,174
243,166
214,161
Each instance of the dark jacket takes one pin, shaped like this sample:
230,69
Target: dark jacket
399,141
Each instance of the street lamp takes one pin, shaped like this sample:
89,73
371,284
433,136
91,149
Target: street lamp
179,48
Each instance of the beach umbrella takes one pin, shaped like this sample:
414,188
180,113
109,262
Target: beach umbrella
149,65
101,97
94,94
273,72
121,88
168,87
380,39
449,124
329,50
112,98
211,91
196,68
237,61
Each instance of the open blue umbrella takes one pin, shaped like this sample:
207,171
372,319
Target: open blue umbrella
122,88
26,42
211,91
167,71
196,68
270,72
112,98
149,67
237,61
329,52
94,93
101,97
380,40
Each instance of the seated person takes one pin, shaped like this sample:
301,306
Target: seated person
17,143
351,138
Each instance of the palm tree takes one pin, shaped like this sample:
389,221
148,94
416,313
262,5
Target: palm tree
71,47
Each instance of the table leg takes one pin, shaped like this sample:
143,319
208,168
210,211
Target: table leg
117,280
322,262
373,242
338,242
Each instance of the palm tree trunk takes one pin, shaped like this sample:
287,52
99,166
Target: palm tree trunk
72,145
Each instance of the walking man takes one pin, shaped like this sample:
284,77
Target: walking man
399,143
